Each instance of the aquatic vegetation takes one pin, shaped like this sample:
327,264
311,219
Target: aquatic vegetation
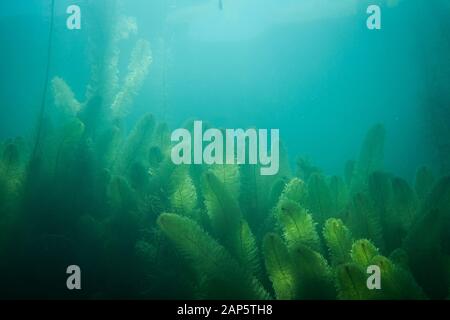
141,226
231,233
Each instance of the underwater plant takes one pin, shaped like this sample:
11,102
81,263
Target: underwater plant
143,224
143,227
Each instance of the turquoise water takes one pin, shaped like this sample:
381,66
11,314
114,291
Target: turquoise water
82,185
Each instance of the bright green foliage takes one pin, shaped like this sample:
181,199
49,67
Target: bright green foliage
339,241
223,277
279,267
424,182
298,225
363,251
320,201
297,191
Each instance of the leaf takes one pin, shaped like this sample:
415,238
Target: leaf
229,176
298,225
223,277
351,282
315,280
296,190
138,143
396,282
363,251
183,198
363,221
339,241
224,213
140,61
279,267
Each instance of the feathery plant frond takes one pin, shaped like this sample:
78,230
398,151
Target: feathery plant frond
223,276
183,198
339,241
279,267
298,225
363,251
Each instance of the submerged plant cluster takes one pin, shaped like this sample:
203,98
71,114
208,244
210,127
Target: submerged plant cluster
88,192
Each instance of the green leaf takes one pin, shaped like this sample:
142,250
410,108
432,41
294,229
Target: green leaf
351,281
223,277
298,225
363,251
339,241
315,279
279,267
183,198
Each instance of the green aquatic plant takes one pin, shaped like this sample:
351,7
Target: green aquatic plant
314,274
183,196
339,241
223,211
137,146
363,220
232,233
398,283
351,282
295,190
222,275
362,252
298,225
280,267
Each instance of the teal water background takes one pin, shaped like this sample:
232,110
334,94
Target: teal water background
323,78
